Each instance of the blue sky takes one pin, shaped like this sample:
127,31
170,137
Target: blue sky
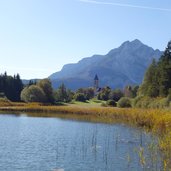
37,37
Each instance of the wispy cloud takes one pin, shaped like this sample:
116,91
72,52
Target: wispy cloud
125,5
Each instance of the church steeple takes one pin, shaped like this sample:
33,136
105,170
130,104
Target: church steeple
96,82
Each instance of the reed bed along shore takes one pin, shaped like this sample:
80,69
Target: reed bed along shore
157,121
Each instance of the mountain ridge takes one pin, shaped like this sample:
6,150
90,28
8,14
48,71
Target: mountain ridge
117,68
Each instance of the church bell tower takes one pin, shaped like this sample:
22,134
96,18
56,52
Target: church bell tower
96,82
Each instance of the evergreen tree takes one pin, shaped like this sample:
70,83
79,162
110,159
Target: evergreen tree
61,93
150,85
157,80
18,86
10,86
164,70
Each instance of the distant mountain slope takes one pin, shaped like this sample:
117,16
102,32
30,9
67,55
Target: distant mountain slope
120,67
25,82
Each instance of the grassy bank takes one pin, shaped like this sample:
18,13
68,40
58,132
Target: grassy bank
153,119
157,121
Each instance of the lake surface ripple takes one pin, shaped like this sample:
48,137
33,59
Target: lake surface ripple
54,144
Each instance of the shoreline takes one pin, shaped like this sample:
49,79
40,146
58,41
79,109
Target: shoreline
157,121
152,119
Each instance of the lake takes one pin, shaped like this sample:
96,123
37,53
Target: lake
54,144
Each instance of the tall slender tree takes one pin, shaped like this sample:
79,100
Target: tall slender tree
164,71
150,86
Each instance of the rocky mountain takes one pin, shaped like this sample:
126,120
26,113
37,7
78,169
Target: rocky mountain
122,66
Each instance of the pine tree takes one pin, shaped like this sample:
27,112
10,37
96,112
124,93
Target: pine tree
164,71
10,86
149,86
61,93
157,80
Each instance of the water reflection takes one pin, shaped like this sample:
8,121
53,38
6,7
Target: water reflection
52,144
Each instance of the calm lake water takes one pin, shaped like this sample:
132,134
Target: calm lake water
53,144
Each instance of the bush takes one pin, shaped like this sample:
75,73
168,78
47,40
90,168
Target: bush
169,95
116,95
104,94
159,103
5,102
164,103
136,101
124,102
148,102
33,93
79,97
46,86
103,104
142,102
2,95
111,103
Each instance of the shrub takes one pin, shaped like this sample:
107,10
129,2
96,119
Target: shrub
136,101
46,86
148,102
169,95
111,103
5,102
33,93
116,95
104,104
164,103
159,103
2,95
124,102
104,94
142,102
79,97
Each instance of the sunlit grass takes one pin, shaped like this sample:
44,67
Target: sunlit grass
88,103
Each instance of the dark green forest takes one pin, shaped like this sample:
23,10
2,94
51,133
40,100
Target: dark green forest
157,80
10,87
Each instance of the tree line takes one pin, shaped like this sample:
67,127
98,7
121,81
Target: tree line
10,87
42,91
157,79
156,84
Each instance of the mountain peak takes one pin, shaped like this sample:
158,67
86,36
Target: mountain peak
133,43
136,41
